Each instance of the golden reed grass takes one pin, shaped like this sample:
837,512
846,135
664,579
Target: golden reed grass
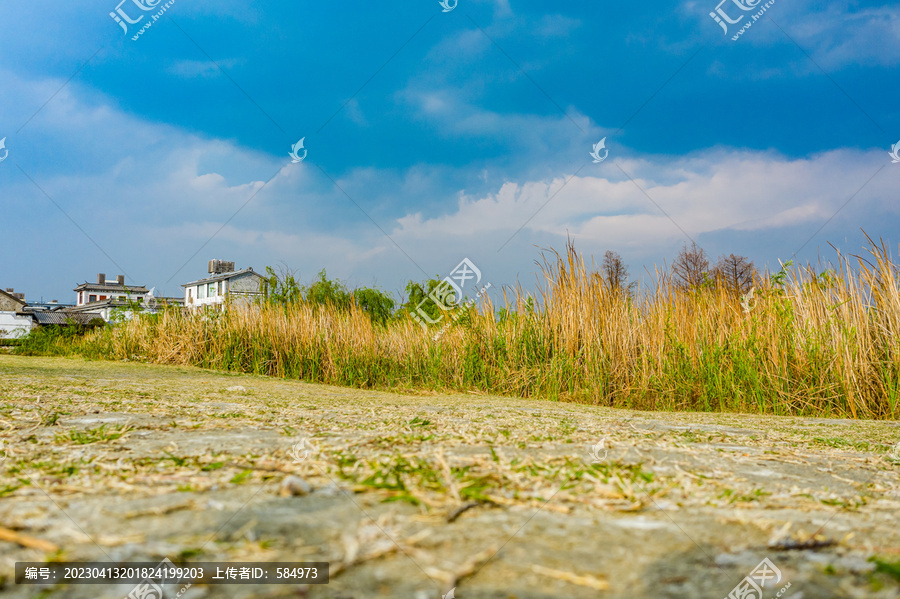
814,344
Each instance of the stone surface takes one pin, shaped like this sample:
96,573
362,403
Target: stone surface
410,495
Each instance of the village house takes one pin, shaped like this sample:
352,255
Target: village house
104,289
13,322
223,282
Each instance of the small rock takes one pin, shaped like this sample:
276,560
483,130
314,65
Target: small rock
293,486
332,490
236,388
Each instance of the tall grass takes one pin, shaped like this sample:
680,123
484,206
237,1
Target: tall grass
812,344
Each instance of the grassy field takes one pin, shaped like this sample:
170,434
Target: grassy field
804,343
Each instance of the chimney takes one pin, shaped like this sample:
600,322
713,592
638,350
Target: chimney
101,279
120,279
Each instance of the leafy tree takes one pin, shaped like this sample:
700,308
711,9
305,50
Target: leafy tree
417,293
325,292
378,305
281,288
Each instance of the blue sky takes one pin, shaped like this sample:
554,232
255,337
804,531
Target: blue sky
434,136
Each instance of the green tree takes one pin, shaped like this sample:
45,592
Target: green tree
377,304
418,293
281,287
325,292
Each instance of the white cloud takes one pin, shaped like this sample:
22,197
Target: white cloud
708,192
840,36
151,195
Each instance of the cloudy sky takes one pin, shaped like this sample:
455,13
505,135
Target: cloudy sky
434,136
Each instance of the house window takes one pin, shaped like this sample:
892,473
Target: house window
92,298
102,297
221,287
80,297
212,290
201,292
190,295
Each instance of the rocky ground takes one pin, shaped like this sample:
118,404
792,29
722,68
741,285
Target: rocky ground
414,495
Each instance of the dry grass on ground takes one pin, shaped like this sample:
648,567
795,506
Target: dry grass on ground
421,491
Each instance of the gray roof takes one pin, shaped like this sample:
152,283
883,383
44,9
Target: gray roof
224,276
135,289
63,317
123,303
99,305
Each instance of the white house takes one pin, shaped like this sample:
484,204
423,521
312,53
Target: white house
13,323
223,282
105,289
124,309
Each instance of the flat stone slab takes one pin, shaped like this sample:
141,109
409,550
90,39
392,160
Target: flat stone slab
412,495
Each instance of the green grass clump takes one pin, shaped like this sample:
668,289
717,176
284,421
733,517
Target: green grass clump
101,434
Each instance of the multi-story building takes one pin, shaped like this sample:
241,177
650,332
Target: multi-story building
105,289
223,282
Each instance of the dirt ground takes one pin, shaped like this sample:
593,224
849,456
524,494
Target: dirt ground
415,495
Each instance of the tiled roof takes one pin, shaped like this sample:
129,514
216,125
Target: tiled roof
61,317
133,289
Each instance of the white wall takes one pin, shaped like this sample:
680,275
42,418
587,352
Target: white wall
13,327
85,296
239,286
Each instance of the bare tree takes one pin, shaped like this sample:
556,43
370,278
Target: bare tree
735,273
690,267
613,271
